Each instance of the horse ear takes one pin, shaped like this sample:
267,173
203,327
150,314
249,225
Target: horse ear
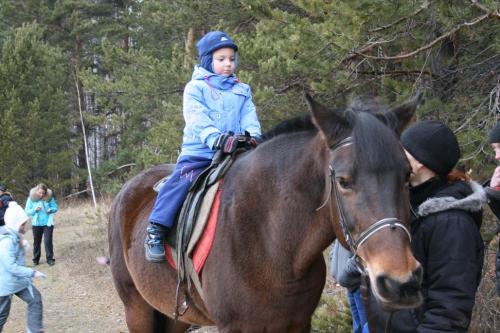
329,122
406,111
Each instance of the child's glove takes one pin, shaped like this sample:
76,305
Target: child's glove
25,244
252,141
227,143
37,274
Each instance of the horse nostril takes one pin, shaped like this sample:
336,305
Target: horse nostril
410,288
418,274
388,286
385,285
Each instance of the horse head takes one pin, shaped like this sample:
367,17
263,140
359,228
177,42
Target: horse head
368,195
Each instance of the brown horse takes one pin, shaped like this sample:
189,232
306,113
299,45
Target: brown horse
282,205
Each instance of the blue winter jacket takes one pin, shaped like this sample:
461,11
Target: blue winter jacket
45,216
14,276
212,105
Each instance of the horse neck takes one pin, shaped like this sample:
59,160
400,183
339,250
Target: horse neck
313,232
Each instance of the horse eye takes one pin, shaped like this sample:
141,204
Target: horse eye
407,178
344,183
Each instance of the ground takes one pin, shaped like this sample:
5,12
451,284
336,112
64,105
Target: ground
79,296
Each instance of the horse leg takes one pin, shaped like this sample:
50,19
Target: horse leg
139,315
164,324
142,318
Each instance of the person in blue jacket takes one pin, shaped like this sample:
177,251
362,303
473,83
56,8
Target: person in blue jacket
346,272
15,278
217,108
41,206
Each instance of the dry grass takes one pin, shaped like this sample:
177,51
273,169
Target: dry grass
486,316
79,295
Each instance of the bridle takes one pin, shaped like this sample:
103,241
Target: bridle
354,244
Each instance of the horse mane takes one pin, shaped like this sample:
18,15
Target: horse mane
373,130
296,124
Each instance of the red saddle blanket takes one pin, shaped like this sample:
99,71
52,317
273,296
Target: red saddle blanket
204,245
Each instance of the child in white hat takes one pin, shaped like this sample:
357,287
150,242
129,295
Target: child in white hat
15,278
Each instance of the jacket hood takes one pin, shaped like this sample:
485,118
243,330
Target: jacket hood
35,197
468,196
15,216
6,232
214,80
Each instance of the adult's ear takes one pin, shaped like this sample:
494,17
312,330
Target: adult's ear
332,124
406,111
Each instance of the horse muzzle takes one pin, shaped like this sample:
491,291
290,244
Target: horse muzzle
394,294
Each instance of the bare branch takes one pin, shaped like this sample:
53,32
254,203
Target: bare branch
77,193
425,47
129,165
367,48
486,10
424,5
397,72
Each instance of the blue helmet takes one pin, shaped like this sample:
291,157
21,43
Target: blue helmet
214,40
211,42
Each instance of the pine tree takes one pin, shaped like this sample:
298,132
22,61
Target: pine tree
34,112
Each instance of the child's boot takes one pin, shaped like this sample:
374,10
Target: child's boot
154,245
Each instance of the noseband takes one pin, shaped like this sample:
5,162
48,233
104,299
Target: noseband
354,244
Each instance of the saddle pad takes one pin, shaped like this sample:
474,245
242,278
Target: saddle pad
201,243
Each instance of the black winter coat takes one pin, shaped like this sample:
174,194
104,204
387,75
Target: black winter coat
447,243
4,203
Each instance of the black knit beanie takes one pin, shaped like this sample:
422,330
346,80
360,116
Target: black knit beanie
433,144
494,136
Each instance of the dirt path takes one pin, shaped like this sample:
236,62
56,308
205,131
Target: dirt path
78,294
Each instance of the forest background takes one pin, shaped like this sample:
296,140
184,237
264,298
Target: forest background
115,70
122,65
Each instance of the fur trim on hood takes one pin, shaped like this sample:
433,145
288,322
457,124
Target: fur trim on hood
472,203
35,197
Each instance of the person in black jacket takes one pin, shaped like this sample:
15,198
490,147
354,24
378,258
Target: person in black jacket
446,214
493,191
5,198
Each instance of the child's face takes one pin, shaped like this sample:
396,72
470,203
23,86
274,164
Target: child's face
223,61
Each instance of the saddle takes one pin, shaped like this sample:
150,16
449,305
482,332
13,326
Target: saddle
192,219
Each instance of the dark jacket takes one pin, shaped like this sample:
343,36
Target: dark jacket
445,238
5,197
